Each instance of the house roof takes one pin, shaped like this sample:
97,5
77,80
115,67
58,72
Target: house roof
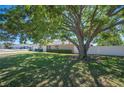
59,42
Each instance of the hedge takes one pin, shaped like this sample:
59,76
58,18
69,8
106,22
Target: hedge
59,50
39,50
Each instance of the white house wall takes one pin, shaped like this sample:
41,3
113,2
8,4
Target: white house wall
75,50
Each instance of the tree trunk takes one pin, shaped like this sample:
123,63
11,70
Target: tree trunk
83,52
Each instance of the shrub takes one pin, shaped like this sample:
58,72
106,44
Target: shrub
30,49
59,50
39,50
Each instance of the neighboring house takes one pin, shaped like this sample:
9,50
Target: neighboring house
25,46
22,46
65,45
56,44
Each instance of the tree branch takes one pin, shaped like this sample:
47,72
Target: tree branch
94,13
118,23
95,33
81,9
72,41
68,18
112,13
92,19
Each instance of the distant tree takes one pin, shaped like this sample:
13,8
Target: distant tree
7,45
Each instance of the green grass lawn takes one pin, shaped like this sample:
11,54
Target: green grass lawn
48,69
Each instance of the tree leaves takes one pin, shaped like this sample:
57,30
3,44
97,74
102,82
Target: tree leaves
46,23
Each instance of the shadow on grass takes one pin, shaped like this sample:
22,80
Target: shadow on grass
39,69
108,72
35,70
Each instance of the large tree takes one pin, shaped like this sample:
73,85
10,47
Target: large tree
79,24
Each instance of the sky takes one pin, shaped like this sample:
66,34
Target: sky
4,6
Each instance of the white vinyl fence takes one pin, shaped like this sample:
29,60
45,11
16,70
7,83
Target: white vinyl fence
107,50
